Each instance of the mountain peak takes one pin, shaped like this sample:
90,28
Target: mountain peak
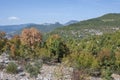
71,22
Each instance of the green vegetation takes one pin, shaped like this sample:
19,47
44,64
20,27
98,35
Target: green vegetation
106,74
94,53
34,68
105,24
11,68
57,47
97,53
2,42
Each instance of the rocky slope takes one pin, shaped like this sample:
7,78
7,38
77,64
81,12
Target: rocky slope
47,72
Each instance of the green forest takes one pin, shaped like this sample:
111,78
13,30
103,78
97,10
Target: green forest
107,23
97,55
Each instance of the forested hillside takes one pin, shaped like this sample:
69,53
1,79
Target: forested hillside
97,55
97,26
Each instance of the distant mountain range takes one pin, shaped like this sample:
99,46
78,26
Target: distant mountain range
46,27
96,26
17,28
12,28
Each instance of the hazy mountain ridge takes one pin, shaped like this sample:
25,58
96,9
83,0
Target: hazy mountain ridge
12,28
71,22
47,27
95,26
16,29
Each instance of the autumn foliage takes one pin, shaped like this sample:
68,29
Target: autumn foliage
31,37
2,41
2,35
91,54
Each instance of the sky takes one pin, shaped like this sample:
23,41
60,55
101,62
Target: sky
51,11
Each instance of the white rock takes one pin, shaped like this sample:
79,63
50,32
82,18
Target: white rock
95,78
22,74
1,60
6,58
45,78
6,62
39,77
20,69
24,79
1,75
115,76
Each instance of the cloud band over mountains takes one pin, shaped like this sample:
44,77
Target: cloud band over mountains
13,18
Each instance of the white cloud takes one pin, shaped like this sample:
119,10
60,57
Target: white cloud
13,18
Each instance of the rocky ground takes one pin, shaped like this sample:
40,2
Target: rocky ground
47,72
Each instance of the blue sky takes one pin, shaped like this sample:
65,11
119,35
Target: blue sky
50,11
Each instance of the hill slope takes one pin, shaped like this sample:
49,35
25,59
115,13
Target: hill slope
96,26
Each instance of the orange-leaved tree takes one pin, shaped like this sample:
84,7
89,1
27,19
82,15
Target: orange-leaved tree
31,37
2,35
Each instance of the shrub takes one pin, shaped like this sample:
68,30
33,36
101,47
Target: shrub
57,47
106,74
34,69
86,60
3,41
2,44
79,75
1,66
2,35
42,53
25,52
38,63
117,62
11,68
82,61
106,58
31,37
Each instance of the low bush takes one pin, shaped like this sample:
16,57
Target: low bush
42,53
106,74
82,61
106,58
1,66
117,62
33,69
11,68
